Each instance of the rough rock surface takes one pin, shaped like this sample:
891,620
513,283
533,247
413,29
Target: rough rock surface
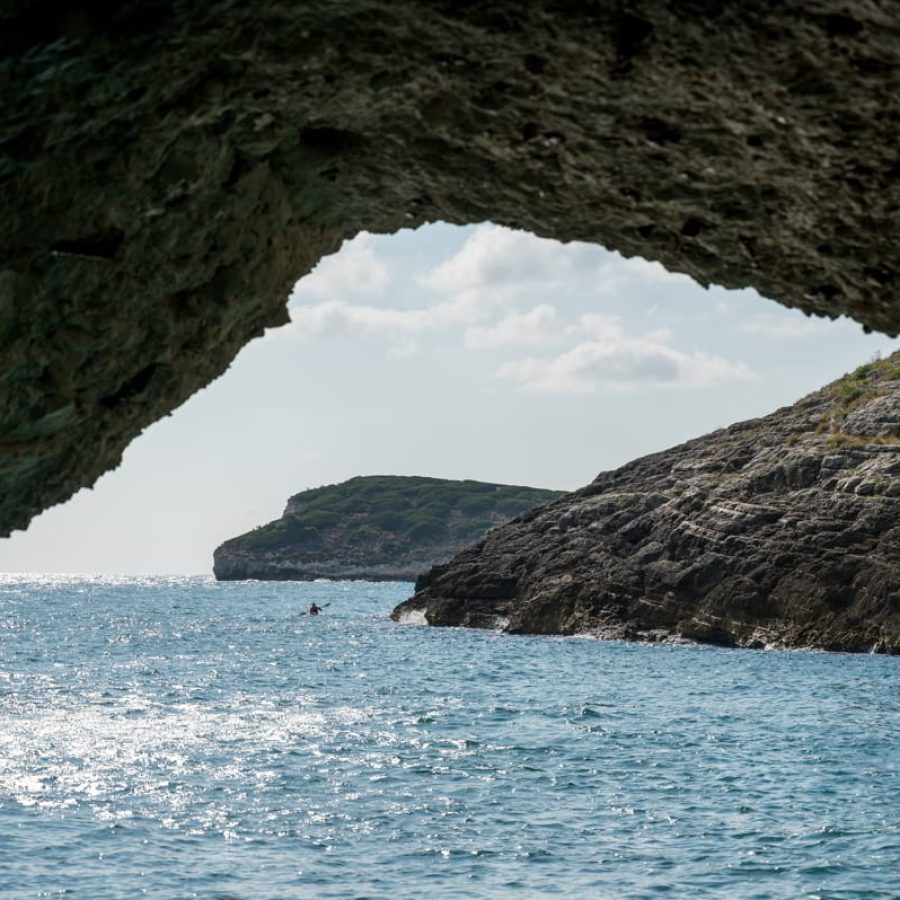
168,169
375,528
780,531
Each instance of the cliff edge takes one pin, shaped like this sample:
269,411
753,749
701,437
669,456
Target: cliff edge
780,531
376,528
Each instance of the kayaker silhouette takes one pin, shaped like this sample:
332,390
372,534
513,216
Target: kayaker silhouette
314,610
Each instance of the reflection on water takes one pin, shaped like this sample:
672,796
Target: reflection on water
191,738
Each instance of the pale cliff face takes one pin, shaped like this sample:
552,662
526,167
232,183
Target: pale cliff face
167,171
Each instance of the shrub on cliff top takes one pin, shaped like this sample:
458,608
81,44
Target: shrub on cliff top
410,510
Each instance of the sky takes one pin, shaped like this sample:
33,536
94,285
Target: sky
474,352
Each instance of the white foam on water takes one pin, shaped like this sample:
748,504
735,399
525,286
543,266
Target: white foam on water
413,617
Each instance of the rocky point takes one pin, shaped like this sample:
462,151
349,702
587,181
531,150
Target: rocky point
782,531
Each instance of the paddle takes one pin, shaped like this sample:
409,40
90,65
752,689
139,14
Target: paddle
306,612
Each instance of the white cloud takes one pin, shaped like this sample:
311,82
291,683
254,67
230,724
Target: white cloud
494,294
498,268
653,272
600,327
784,326
355,270
610,328
500,258
537,326
612,358
334,318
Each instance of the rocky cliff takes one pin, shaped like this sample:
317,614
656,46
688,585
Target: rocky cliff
377,528
169,169
781,531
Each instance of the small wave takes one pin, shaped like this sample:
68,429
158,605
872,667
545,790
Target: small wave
188,715
412,617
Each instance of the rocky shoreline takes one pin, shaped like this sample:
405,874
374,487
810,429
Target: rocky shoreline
246,567
782,531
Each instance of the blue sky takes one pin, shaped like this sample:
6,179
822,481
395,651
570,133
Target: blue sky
473,352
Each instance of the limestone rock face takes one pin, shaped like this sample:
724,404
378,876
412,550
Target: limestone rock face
780,531
168,169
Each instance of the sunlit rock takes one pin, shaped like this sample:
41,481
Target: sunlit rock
777,532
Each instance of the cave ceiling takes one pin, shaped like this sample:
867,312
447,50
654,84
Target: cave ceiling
168,170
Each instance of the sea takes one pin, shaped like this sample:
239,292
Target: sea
178,737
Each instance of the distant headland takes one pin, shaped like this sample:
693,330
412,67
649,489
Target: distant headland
373,528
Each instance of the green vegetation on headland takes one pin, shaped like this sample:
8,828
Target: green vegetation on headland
409,509
865,383
379,520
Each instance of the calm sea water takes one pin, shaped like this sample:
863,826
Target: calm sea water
184,738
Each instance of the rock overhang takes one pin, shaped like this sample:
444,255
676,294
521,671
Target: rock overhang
168,170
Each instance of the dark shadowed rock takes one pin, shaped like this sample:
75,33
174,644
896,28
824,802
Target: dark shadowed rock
780,531
377,528
168,169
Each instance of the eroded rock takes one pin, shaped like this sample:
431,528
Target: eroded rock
781,531
169,169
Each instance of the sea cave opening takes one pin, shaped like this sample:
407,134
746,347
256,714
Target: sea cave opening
472,352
